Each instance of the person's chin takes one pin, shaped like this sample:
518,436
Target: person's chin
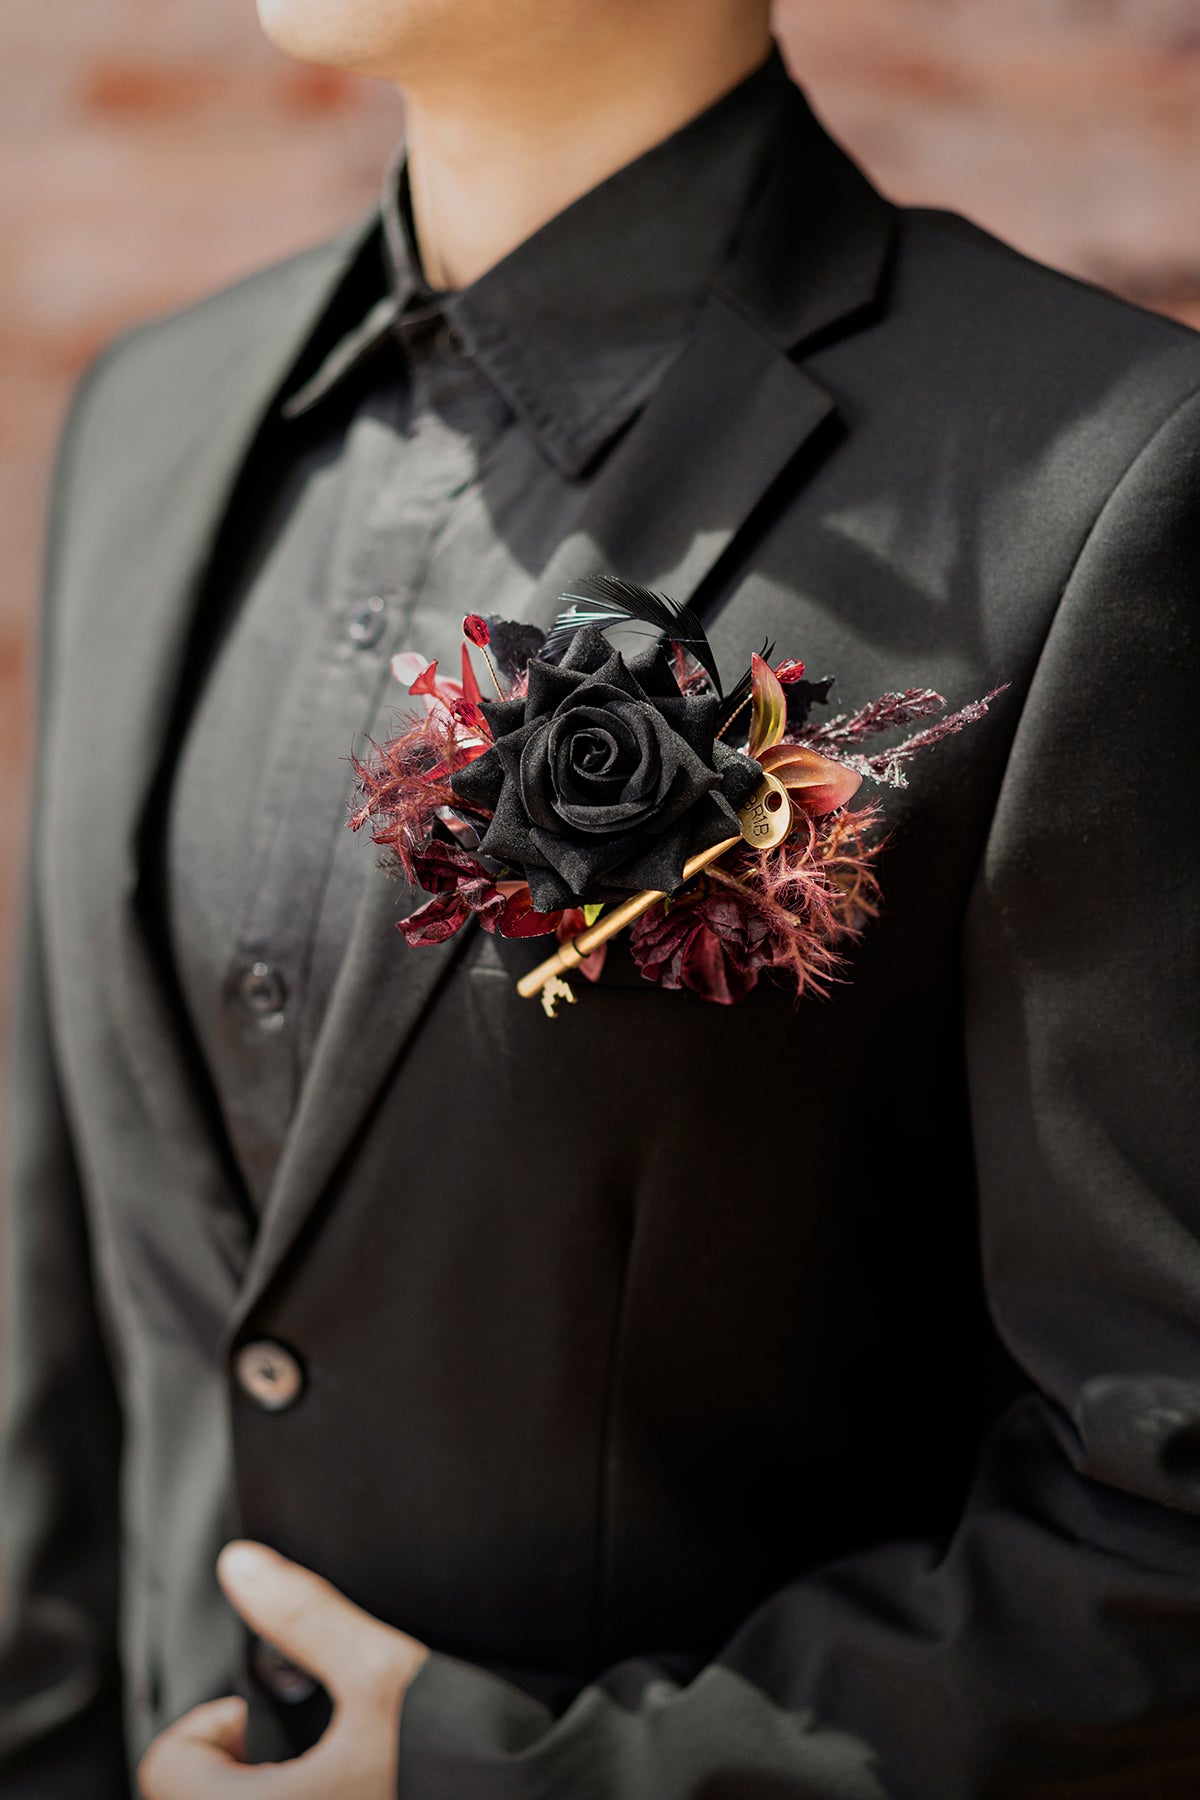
340,34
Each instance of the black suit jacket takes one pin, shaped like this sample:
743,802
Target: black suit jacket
742,1402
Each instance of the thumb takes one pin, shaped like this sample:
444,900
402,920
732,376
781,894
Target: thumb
313,1625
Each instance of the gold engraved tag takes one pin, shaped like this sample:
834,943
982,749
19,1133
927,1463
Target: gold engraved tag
766,818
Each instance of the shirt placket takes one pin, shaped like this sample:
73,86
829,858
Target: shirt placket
410,456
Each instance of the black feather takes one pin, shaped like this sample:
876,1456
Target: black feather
605,600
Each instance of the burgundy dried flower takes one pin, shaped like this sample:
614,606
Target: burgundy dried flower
460,886
782,912
713,942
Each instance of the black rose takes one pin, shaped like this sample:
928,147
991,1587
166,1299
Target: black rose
605,778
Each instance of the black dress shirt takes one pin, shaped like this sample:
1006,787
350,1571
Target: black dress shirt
441,449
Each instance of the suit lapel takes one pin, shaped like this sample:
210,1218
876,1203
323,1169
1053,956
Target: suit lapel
727,423
675,507
211,416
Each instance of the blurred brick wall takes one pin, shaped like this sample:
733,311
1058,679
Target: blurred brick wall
157,148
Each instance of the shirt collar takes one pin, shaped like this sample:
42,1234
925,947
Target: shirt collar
575,327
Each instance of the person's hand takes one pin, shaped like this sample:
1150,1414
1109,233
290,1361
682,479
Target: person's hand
365,1665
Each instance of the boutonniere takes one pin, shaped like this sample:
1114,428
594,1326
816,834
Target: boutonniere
598,793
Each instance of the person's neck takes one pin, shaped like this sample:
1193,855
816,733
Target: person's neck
489,166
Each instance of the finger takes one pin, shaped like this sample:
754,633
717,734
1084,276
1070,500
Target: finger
221,1723
200,1758
314,1625
195,1758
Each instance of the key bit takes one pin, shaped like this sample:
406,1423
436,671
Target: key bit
554,991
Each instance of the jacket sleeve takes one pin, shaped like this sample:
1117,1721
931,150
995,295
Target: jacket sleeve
1052,1648
60,1712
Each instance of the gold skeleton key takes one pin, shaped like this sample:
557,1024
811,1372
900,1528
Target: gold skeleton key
555,990
765,819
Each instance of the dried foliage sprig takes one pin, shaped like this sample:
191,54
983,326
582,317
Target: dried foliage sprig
888,766
884,714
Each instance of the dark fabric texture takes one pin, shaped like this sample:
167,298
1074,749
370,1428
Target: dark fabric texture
759,1401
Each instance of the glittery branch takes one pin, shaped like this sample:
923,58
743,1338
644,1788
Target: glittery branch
888,765
884,714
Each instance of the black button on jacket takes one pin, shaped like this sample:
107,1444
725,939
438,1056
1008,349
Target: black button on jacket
740,1401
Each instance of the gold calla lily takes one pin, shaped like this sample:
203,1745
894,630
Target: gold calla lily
768,707
814,783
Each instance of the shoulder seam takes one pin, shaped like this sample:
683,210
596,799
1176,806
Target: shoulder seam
1144,450
948,223
1094,530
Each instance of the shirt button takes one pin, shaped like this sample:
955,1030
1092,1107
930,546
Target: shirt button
279,1676
366,623
262,992
269,1375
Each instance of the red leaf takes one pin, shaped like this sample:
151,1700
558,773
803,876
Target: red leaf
426,682
434,922
570,924
518,920
470,687
592,967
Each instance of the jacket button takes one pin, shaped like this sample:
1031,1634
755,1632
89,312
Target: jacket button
279,1676
269,1375
261,991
